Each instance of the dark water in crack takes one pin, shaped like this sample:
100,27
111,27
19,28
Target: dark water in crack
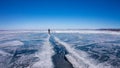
59,59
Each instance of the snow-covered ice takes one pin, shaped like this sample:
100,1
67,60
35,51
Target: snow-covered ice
33,49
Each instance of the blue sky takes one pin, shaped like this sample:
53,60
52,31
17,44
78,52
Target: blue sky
59,14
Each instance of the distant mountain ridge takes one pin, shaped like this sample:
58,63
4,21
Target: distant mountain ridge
110,29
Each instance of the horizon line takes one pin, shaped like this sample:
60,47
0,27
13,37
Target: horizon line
65,29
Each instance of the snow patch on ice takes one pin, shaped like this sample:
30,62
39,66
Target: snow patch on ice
87,31
23,31
45,56
11,43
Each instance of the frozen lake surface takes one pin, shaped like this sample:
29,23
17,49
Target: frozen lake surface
61,49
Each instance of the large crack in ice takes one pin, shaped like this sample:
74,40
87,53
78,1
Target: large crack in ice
59,58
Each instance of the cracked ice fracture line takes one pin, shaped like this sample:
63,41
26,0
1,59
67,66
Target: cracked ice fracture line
59,59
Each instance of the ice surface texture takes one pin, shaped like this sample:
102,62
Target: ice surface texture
82,49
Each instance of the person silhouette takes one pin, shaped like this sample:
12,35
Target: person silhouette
48,31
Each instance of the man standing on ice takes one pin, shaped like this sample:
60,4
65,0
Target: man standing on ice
48,31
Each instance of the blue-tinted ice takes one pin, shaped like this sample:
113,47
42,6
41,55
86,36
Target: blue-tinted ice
66,50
